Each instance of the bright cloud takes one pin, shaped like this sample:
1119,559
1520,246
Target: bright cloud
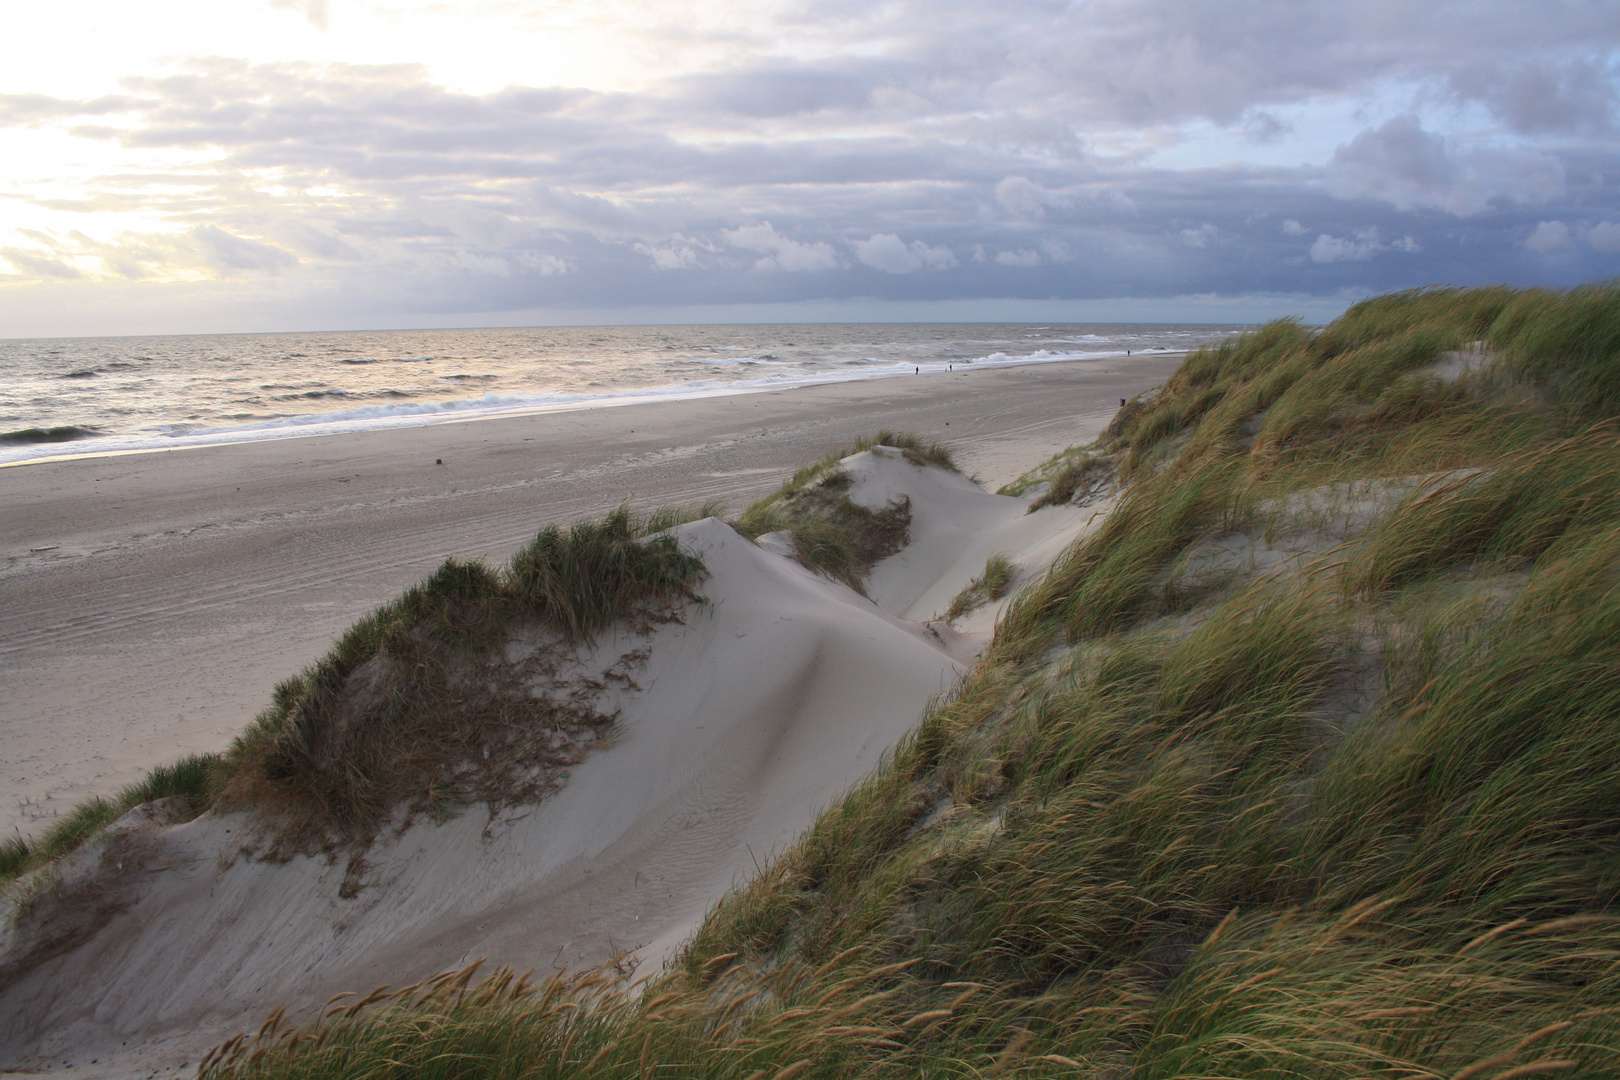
1025,198
1605,236
1200,237
1549,236
780,252
671,256
1359,248
889,253
1022,257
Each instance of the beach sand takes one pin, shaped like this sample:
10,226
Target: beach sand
149,602
169,604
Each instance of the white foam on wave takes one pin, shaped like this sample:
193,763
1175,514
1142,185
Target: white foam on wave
421,413
1042,356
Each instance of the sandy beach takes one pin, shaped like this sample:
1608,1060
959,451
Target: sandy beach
149,603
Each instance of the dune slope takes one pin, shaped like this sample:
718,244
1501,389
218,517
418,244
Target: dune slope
1301,763
735,726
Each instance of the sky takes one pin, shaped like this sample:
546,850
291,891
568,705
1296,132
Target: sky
191,166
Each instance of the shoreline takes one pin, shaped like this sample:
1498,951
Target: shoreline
450,412
149,602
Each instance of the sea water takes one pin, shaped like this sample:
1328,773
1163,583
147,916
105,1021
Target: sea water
62,396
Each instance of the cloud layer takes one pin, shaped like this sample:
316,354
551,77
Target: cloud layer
904,152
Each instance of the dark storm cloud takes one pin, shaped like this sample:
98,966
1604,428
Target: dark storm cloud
959,160
1536,96
1164,61
1408,167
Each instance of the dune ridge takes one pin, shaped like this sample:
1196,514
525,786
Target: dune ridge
1299,760
1300,763
734,722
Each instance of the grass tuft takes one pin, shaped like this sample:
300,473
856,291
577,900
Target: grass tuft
188,783
832,535
988,587
757,519
415,706
583,579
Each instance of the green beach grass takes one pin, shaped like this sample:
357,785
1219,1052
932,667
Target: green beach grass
1305,763
830,534
989,586
400,712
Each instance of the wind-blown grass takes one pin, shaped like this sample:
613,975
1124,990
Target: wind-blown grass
187,782
1353,816
407,708
763,516
831,534
988,587
394,714
584,579
1511,512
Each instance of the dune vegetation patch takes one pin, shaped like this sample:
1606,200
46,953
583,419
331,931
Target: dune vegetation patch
1077,476
1304,763
186,782
468,689
474,687
830,534
991,585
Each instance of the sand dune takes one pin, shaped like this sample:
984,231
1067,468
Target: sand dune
955,527
148,604
746,718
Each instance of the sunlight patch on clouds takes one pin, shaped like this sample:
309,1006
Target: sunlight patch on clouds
231,255
313,10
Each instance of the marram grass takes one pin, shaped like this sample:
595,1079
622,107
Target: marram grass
988,587
830,534
186,782
1348,813
414,708
1344,806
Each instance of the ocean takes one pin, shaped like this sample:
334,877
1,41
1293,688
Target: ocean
71,396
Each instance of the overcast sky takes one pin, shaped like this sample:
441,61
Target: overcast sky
198,166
